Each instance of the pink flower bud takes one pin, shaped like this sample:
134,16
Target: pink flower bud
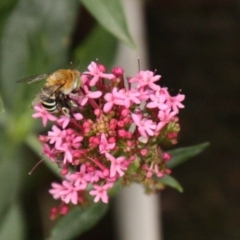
166,156
97,112
112,126
120,123
113,121
69,131
129,143
125,112
77,154
132,158
86,130
101,67
86,124
149,174
128,135
53,213
172,135
90,168
64,171
127,120
64,209
112,140
105,173
160,174
144,152
43,138
168,171
117,71
76,162
122,133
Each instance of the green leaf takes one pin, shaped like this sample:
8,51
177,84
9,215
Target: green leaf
110,14
78,221
10,174
100,44
1,105
33,143
181,155
171,182
13,226
6,8
46,25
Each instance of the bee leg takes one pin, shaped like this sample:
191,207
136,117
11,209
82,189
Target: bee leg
66,111
72,104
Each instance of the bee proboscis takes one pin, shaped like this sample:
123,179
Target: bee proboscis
54,94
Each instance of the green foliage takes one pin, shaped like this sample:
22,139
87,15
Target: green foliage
1,105
33,43
77,221
10,176
35,38
111,16
13,226
103,41
181,155
171,182
6,8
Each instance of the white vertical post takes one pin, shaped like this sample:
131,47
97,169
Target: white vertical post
137,215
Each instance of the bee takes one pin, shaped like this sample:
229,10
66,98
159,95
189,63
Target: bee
54,95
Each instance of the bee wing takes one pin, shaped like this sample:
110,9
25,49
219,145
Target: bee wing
44,94
33,79
36,100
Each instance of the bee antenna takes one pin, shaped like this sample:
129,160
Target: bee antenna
35,166
78,66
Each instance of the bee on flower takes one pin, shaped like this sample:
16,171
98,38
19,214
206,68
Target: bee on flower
116,131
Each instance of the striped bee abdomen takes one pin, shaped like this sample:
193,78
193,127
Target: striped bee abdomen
48,99
50,104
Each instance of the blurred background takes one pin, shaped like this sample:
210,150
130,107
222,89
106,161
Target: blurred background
194,45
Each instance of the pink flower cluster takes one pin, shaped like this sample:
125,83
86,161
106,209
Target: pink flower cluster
117,132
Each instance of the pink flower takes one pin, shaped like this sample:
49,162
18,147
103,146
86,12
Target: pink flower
95,176
88,94
41,112
117,165
100,192
71,141
63,121
118,71
157,171
105,146
56,136
144,94
145,126
78,116
68,153
65,191
96,72
80,178
175,102
112,99
164,117
129,97
50,153
158,100
146,78
116,130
